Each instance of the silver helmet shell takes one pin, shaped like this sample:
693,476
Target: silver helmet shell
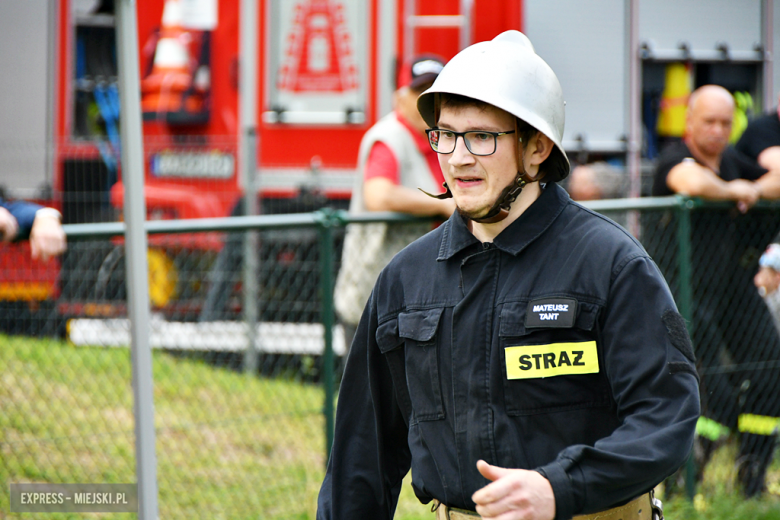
507,73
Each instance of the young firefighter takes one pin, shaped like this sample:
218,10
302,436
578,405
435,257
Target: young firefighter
525,359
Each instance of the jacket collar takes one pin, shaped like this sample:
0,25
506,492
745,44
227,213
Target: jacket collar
525,229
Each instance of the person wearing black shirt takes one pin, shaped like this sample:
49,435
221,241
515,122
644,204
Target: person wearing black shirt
732,166
732,330
525,359
761,141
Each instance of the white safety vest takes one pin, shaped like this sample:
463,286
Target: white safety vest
369,247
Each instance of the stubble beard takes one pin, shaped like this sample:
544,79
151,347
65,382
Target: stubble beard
472,215
475,214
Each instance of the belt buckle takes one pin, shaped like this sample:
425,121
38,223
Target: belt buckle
438,507
657,506
459,513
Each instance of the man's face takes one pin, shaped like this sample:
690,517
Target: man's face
709,123
477,181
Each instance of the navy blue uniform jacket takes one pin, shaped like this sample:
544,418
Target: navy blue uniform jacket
556,348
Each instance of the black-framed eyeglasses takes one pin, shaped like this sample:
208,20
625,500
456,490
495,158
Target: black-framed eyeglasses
478,142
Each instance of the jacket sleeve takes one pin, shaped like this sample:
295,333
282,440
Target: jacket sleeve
24,213
370,454
650,366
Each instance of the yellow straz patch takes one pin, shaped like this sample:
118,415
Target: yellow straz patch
556,359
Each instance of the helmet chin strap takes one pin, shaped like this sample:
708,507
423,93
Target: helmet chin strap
500,209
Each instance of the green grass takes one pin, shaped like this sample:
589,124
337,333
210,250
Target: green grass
228,446
717,497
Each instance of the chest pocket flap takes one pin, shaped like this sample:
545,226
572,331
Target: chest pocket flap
419,325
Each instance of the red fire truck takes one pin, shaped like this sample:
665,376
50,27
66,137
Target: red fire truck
325,72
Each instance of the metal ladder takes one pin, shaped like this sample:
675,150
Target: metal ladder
414,21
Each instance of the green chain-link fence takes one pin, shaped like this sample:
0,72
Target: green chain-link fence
709,253
231,445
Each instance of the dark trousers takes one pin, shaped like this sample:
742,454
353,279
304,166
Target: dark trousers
738,349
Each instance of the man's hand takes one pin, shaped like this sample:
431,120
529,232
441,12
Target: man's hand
693,179
47,238
514,494
746,193
9,227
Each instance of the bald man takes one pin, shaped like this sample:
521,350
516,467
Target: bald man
703,165
733,332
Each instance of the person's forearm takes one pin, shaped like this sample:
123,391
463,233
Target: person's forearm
769,184
24,212
406,200
711,189
415,202
696,181
370,454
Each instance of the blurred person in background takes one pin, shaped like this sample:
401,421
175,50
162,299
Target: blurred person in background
767,279
702,164
761,142
596,181
21,220
732,327
394,161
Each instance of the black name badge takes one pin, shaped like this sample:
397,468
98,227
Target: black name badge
551,313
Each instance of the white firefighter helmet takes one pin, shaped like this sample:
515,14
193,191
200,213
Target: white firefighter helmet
507,73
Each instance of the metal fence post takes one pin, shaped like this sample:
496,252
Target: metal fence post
326,222
634,148
137,269
685,301
250,285
248,99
